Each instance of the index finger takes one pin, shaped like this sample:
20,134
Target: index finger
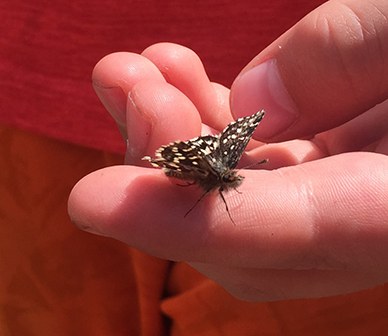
329,68
322,214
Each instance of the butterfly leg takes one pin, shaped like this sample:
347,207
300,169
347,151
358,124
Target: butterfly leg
226,204
238,191
188,184
195,204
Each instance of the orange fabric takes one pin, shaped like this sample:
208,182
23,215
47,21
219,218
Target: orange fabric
200,307
57,280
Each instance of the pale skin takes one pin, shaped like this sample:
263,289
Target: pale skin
313,221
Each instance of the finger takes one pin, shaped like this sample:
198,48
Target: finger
323,214
282,154
114,76
182,68
158,114
329,68
272,285
357,134
365,132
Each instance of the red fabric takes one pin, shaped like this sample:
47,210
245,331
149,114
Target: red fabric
49,48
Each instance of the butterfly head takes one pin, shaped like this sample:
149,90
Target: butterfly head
230,179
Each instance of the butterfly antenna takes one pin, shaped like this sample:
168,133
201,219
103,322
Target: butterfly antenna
256,163
195,204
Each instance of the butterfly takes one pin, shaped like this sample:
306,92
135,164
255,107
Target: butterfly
210,160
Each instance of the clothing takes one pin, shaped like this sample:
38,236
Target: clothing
48,51
57,280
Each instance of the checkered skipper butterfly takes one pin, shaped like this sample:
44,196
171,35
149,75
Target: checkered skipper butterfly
209,160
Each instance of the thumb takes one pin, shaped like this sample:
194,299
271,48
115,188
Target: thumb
326,70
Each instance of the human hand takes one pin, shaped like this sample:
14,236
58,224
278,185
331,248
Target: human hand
315,226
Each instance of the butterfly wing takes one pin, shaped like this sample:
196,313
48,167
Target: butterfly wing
235,137
186,160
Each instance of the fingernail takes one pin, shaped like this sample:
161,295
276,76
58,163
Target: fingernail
114,100
138,130
262,88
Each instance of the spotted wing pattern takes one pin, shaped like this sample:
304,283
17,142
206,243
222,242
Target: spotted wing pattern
235,137
186,159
